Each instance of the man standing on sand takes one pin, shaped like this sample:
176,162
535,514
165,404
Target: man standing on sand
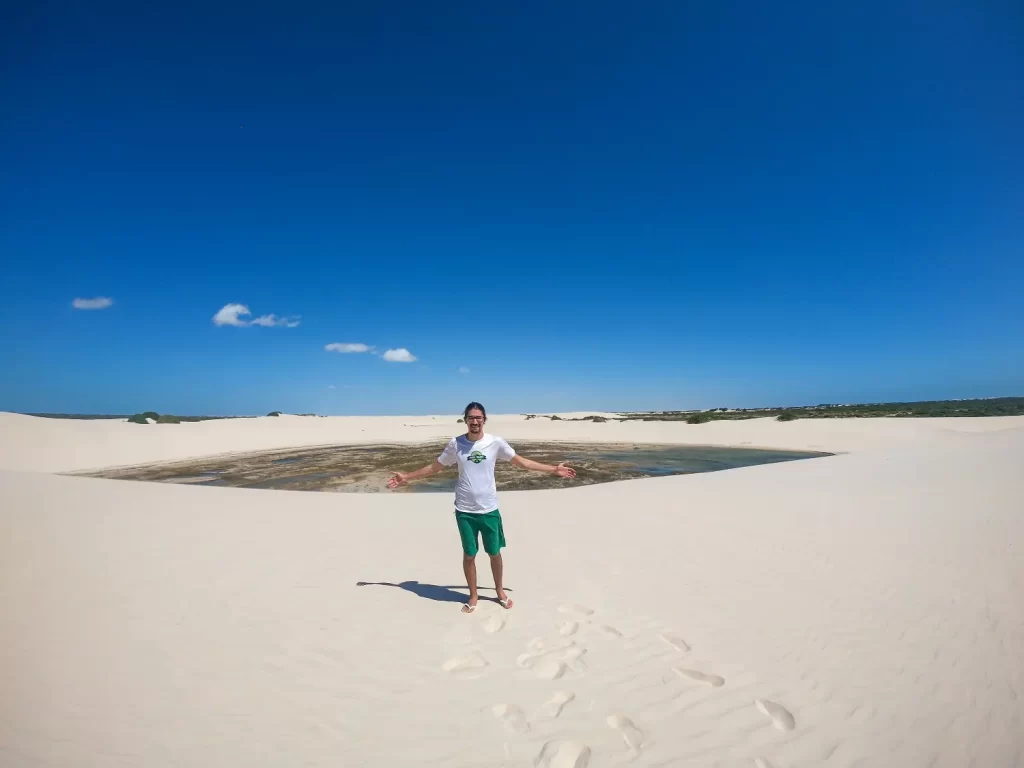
476,498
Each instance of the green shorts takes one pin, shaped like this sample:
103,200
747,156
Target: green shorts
488,526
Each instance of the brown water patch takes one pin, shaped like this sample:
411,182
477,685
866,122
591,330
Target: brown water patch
366,468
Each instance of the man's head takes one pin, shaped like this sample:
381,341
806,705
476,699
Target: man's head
475,415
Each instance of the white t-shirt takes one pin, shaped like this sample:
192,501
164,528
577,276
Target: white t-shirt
475,491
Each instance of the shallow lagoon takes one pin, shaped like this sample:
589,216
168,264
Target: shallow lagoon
366,468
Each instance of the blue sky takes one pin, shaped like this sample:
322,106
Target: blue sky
584,205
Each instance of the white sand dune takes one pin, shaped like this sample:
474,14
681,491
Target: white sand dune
864,609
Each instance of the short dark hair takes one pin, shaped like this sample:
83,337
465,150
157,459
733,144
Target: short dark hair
474,406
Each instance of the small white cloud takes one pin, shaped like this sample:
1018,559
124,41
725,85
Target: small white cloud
463,369
269,321
348,349
229,314
234,314
331,386
100,302
400,355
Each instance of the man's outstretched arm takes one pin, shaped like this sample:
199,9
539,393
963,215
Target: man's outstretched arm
561,470
404,477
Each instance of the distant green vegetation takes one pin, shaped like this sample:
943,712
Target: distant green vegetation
82,416
167,418
996,406
150,414
144,418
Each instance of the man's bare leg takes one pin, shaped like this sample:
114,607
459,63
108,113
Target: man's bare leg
497,570
469,568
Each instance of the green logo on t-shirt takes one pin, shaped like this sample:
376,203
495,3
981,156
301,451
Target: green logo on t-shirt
476,457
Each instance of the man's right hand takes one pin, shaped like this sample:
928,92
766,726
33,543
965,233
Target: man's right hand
396,480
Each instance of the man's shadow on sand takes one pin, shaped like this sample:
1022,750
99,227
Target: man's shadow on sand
432,591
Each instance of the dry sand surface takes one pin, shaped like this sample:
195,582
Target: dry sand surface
865,609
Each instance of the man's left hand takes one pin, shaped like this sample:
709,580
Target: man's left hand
563,471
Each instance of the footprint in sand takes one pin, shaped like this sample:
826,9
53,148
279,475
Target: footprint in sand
495,623
552,663
513,717
550,669
466,667
608,630
781,717
675,641
575,610
632,735
563,754
699,677
553,668
553,707
566,628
